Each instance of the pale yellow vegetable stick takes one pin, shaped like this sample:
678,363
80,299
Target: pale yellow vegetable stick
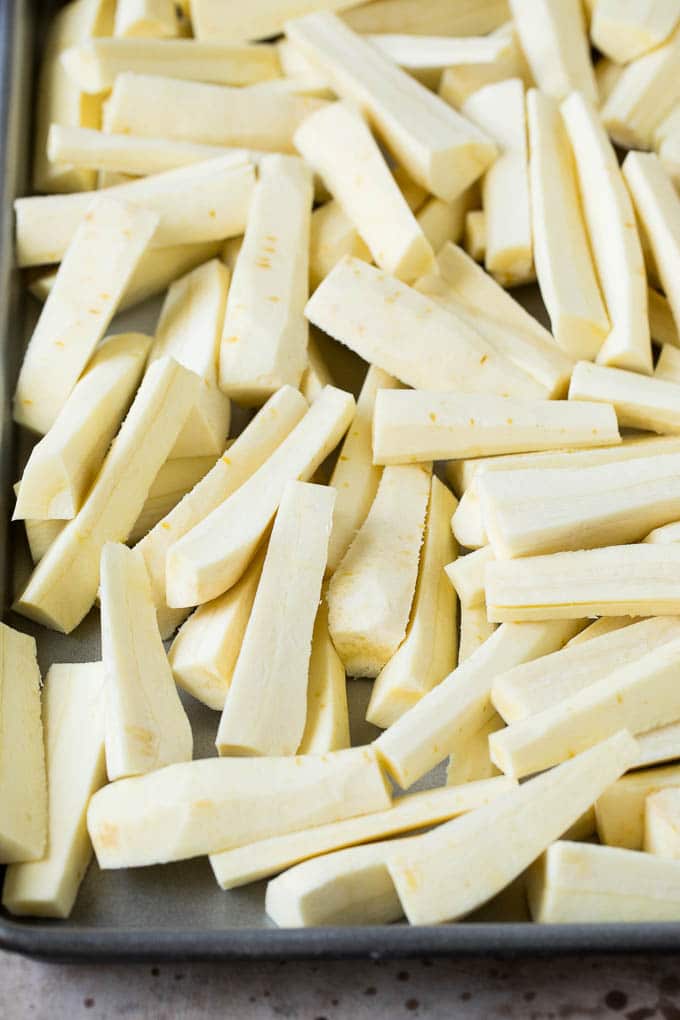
625,29
553,36
659,745
23,786
650,404
620,810
151,19
429,650
668,365
460,81
467,522
327,721
176,478
457,707
439,148
203,807
429,17
73,719
605,625
212,556
442,221
91,279
662,824
466,574
474,234
264,339
474,630
472,760
317,375
63,586
230,20
332,236
607,73
371,592
426,56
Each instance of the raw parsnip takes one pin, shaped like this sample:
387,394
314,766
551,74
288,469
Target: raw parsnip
662,824
668,364
474,234
625,29
230,20
649,404
466,574
553,36
474,630
460,81
620,810
332,236
429,17
176,478
327,720
151,19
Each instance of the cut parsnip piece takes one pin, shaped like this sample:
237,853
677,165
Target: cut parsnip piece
73,719
254,116
467,522
372,589
212,556
659,745
338,144
650,404
416,425
203,807
577,883
441,722
264,340
176,478
553,36
474,234
605,625
620,580
250,863
95,65
474,630
317,375
460,81
249,452
662,824
536,686
294,64
208,201
189,330
160,267
429,17
500,111
40,535
421,54
149,19
23,785
466,574
63,586
327,722
433,875
439,148
90,282
620,810
204,653
266,704
410,336
63,465
472,761
215,19
442,221
146,725
332,236
428,652
355,477
564,264
668,365
625,29
463,286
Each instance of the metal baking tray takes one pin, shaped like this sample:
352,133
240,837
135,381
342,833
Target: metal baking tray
177,911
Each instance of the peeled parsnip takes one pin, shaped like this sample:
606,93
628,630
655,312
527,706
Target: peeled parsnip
620,809
649,404
466,574
668,365
327,720
475,629
553,36
625,29
332,236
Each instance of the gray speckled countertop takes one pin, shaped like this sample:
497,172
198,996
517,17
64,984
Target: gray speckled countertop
635,988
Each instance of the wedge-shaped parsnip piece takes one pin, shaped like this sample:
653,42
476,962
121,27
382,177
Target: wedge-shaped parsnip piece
435,876
429,17
146,725
625,29
189,330
553,36
151,19
416,425
211,557
410,336
63,586
203,807
455,709
23,787
249,452
327,721
338,144
463,286
668,365
474,630
266,703
428,652
90,282
372,589
255,116
576,883
659,745
536,686
620,810
63,465
332,236
176,478
472,761
264,340
73,719
250,863
500,111
662,824
466,574
355,477
439,148
620,580
95,65
215,19
564,265
638,696
531,512
460,81
650,404
204,202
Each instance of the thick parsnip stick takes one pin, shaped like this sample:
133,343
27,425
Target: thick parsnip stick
474,234
650,404
442,221
553,36
327,721
460,81
467,522
659,745
625,29
620,810
231,21
429,17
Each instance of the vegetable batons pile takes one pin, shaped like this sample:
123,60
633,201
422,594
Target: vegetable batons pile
349,450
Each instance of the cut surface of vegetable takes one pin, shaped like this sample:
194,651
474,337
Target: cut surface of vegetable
620,810
659,745
649,404
459,81
327,720
625,29
553,36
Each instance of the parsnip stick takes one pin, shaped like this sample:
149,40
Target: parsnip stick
176,478
600,627
471,761
408,335
63,465
631,580
264,340
466,574
332,236
89,284
650,404
317,375
215,552
553,36
467,522
73,719
425,57
474,630
442,221
294,64
63,586
659,745
429,650
620,810
439,148
228,20
433,876
564,265
429,17
607,73
668,365
474,234
416,425
203,807
625,29
327,721
662,824
460,81
151,19
441,722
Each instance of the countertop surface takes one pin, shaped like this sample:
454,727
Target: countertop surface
634,988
